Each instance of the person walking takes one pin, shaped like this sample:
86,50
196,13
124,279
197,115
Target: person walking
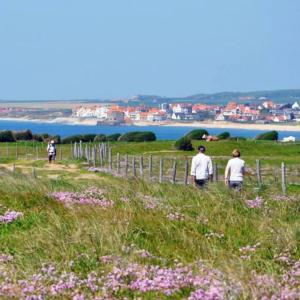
235,171
51,149
201,169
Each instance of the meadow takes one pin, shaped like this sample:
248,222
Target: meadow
68,233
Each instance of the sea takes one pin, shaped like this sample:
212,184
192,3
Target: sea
161,132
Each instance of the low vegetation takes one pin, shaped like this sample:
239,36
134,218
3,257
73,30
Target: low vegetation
268,136
137,136
75,235
224,135
197,134
184,144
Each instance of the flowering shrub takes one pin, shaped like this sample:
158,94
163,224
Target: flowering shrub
285,198
5,258
176,216
150,202
246,251
211,235
256,203
200,281
10,216
92,196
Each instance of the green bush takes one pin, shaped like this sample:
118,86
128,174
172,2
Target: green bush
23,135
7,136
113,137
224,135
184,144
88,137
37,137
71,139
100,138
56,138
268,136
137,136
197,134
79,137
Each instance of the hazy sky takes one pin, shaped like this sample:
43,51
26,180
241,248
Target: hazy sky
64,49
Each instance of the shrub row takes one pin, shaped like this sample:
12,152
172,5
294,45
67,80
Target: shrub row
185,143
135,136
26,135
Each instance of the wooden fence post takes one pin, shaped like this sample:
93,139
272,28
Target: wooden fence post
161,170
86,154
101,154
72,156
14,168
283,177
105,151
75,150
26,151
174,171
17,154
186,172
118,163
133,166
60,152
37,152
126,164
80,149
142,166
150,165
94,156
258,172
110,159
216,172
33,172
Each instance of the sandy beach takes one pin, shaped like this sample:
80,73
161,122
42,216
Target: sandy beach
224,125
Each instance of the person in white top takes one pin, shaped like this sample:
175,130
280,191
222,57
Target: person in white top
51,149
201,169
235,171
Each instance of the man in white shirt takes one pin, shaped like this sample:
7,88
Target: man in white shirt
235,171
202,169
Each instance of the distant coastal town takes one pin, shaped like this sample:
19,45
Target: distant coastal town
261,113
264,113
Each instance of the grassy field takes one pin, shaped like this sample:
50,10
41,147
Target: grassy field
74,234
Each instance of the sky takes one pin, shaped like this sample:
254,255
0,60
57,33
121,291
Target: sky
96,49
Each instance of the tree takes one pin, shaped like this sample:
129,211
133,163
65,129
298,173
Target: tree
113,137
100,138
137,136
7,136
224,135
184,144
78,138
197,134
268,136
23,135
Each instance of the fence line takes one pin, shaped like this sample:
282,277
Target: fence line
155,168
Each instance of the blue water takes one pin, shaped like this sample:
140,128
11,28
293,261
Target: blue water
162,132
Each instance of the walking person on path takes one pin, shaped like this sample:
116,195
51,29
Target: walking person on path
235,171
51,149
202,168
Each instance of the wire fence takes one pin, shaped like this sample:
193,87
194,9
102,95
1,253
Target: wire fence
149,167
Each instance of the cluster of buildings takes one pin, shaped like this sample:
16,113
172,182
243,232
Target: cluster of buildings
264,112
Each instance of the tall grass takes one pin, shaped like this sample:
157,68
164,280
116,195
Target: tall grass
213,225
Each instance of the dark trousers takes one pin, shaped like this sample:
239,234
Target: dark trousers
50,157
236,185
200,183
